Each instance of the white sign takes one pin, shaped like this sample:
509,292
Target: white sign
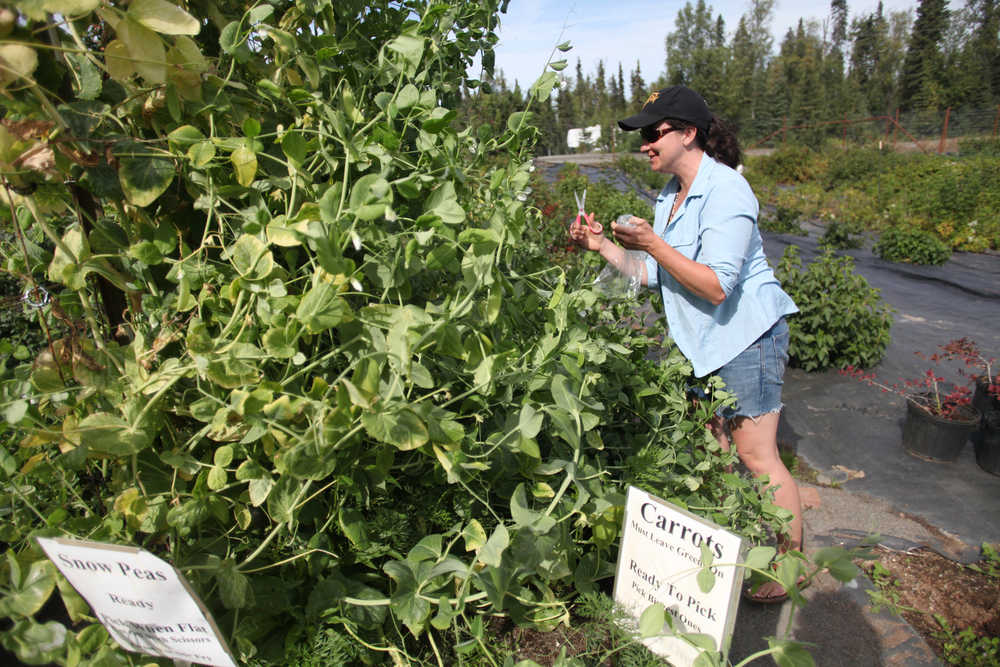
145,604
659,560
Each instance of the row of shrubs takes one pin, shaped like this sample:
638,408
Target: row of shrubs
922,205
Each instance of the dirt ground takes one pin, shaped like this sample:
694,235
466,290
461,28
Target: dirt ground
923,584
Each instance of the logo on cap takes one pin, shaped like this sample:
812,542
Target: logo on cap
651,99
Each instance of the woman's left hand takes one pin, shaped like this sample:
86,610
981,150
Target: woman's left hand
638,235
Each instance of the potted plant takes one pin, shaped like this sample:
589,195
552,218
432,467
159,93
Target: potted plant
939,415
985,399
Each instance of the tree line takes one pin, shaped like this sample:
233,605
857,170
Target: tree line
839,67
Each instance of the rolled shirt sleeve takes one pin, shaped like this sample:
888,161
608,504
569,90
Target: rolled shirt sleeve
728,221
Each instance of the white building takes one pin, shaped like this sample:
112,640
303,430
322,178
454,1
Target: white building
583,136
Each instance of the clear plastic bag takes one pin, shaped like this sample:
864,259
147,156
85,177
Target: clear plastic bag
626,278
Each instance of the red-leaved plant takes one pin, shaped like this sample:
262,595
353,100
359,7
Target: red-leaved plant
931,392
966,350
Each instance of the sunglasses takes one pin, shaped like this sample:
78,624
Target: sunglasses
651,134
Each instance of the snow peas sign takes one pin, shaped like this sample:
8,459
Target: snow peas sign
145,604
666,557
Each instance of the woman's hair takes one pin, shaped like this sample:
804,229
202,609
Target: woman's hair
719,142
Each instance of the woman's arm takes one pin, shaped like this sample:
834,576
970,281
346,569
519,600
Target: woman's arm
612,253
697,278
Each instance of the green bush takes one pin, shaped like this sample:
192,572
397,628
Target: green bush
850,167
913,246
979,146
842,320
639,172
840,236
784,220
790,164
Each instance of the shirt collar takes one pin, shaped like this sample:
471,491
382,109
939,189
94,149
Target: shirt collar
703,176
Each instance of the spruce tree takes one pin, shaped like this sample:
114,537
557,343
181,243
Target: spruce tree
923,68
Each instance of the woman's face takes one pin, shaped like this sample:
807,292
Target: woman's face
663,145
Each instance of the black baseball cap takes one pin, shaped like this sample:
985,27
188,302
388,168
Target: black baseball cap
674,102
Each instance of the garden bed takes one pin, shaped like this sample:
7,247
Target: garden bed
924,586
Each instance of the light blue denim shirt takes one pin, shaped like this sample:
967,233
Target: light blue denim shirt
716,225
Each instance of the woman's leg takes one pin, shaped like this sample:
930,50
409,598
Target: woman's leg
757,446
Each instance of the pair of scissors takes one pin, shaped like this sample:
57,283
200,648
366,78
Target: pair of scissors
581,213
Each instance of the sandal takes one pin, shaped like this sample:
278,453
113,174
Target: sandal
759,598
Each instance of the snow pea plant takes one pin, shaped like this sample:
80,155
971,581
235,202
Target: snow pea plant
300,340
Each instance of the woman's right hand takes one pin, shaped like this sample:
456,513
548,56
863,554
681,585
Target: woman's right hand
580,233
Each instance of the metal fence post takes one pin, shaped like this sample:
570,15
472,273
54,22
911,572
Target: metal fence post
944,130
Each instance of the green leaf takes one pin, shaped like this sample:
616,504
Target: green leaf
70,7
118,61
443,202
217,478
185,136
759,558
651,621
407,97
474,535
18,62
438,120
321,308
245,162
558,65
76,606
36,643
530,421
787,653
838,562
410,47
201,153
31,594
251,127
105,433
15,411
163,17
143,174
492,552
282,498
352,523
234,43
518,120
295,147
87,82
146,52
706,580
234,587
407,603
251,258
400,427
259,489
565,46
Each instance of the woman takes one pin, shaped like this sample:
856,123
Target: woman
725,309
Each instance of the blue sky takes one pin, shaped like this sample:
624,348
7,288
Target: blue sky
627,31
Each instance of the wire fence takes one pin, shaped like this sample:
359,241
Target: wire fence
926,131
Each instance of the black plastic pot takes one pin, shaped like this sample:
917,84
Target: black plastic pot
935,438
987,442
983,401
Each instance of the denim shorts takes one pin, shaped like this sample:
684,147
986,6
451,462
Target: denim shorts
755,375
